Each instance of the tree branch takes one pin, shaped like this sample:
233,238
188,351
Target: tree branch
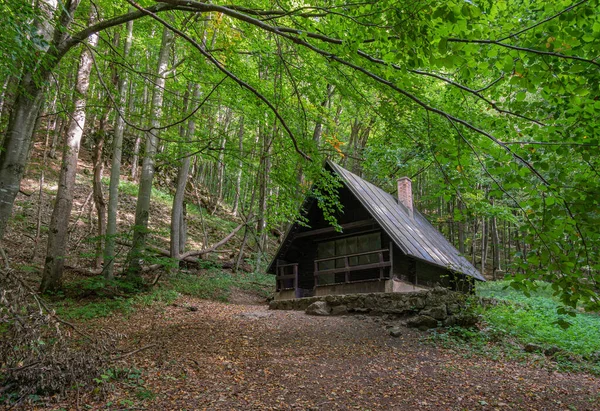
222,68
571,7
510,46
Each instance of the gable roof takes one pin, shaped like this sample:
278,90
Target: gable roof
415,236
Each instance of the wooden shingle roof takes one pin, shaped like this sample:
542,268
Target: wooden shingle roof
415,236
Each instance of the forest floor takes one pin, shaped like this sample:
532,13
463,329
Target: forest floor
242,356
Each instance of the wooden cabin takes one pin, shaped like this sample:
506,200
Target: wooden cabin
385,246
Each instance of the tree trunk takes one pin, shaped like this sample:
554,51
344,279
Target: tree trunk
57,233
28,102
115,168
264,195
238,180
99,137
177,213
484,244
221,164
138,138
318,131
142,211
496,245
461,229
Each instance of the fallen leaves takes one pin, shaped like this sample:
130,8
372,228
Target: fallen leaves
244,357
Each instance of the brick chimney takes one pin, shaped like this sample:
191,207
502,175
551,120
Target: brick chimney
405,194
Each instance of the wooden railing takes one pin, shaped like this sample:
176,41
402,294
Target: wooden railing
282,277
347,268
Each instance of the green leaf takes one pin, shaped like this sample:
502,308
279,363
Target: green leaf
564,324
443,45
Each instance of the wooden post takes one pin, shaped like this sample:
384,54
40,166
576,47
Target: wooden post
381,262
391,260
315,273
347,266
296,290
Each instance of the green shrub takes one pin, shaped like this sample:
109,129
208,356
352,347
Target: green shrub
539,319
516,320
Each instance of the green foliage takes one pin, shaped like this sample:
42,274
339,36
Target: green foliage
216,284
130,188
130,377
538,319
96,297
516,320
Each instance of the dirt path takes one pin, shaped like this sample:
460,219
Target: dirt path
245,357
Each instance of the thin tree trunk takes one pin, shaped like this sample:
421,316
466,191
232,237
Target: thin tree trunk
484,245
474,243
138,138
318,131
221,163
99,202
51,127
177,213
142,211
238,180
265,168
115,168
57,233
496,246
249,217
461,229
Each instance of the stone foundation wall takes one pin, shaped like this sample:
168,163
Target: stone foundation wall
382,303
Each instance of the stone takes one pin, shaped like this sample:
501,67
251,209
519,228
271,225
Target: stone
254,315
552,351
439,312
595,357
422,322
530,347
466,319
450,321
395,332
318,308
453,309
339,310
192,308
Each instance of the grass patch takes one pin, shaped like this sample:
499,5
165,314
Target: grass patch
96,297
131,188
215,284
212,221
518,320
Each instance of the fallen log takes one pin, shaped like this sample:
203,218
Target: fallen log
188,256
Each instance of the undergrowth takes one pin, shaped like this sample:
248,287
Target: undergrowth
510,321
211,220
96,297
